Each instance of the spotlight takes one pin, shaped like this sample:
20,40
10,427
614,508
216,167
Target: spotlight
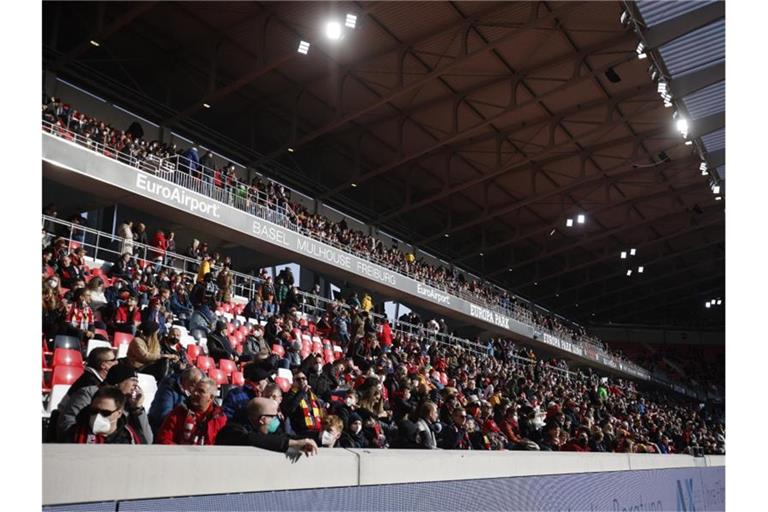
206,105
688,142
718,198
623,255
662,87
95,43
640,269
707,304
624,17
719,301
632,251
703,166
667,104
552,232
612,76
580,218
351,21
629,273
354,185
290,150
682,126
481,254
303,47
569,222
447,235
640,50
716,189
333,30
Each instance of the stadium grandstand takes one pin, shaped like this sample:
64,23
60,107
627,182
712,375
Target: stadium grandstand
360,255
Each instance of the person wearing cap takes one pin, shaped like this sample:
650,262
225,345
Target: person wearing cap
219,346
144,352
104,421
172,391
80,394
126,380
260,430
196,421
236,401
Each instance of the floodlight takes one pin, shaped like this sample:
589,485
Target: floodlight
354,185
719,301
688,142
641,56
667,104
624,17
707,304
682,126
351,21
580,218
716,189
640,269
718,198
632,251
206,105
303,47
333,30
552,232
629,273
623,255
95,43
703,166
290,150
569,222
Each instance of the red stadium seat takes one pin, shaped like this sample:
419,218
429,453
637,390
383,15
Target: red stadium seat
120,338
66,374
278,349
66,357
317,346
205,363
218,376
303,324
244,330
311,327
227,366
192,352
328,355
73,245
103,332
304,353
238,379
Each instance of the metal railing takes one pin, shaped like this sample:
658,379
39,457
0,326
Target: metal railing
194,176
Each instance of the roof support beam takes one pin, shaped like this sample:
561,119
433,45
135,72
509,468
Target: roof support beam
664,32
611,255
573,185
716,158
684,85
536,23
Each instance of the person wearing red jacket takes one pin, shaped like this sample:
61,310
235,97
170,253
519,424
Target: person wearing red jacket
385,336
128,316
196,422
160,243
579,443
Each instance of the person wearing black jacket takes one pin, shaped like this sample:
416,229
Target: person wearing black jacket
260,431
105,422
353,436
454,435
300,406
219,346
124,268
319,377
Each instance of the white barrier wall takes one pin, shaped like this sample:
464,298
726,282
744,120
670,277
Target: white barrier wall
90,473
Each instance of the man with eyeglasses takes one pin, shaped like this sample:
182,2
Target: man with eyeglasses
301,406
454,436
104,421
261,431
100,361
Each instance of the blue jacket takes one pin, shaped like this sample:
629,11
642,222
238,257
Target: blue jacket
235,403
178,307
168,396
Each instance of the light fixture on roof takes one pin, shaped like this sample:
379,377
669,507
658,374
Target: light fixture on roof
640,269
580,219
632,251
640,50
719,301
351,21
629,272
682,126
623,255
569,222
354,185
661,87
707,304
333,30
703,169
667,104
206,105
552,232
715,189
95,43
303,47
447,235
688,142
290,150
624,17
718,198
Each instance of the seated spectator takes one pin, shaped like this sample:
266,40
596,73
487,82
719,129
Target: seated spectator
104,422
196,421
428,425
219,346
124,268
353,436
154,313
331,432
128,316
79,318
98,300
319,377
54,310
301,407
261,430
171,392
181,305
80,394
454,436
551,438
144,354
171,345
69,272
236,401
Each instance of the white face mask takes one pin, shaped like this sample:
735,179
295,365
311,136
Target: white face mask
100,424
327,439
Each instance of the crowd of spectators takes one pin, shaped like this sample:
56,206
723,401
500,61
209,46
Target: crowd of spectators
393,386
222,182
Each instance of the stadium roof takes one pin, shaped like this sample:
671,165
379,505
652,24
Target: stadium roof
473,129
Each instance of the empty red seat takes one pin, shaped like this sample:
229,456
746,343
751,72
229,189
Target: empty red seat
218,376
317,347
278,349
103,332
304,353
244,330
238,379
227,366
205,363
120,338
192,352
311,327
66,374
328,355
66,357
